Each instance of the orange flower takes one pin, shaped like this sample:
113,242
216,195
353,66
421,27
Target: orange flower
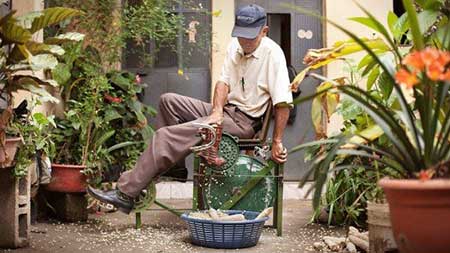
425,175
406,78
445,76
430,55
444,58
434,70
414,60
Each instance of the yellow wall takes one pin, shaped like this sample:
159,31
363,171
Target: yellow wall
221,35
340,11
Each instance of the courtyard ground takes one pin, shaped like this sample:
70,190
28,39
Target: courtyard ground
164,232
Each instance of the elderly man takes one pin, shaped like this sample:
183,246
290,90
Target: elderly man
254,73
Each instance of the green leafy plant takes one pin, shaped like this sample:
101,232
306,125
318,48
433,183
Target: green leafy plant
20,52
35,131
418,130
102,114
109,25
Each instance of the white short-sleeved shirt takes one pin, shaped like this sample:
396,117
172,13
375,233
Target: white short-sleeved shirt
254,79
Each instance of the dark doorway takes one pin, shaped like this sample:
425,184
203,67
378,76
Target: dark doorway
280,32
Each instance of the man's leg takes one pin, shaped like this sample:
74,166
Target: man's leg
168,146
175,109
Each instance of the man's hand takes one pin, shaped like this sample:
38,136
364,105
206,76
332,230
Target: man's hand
220,98
216,117
279,153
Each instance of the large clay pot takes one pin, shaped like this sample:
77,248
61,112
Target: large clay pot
10,148
420,214
67,178
381,238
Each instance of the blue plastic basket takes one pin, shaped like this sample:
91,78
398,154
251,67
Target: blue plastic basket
226,234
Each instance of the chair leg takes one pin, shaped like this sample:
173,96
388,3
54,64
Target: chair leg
138,222
278,209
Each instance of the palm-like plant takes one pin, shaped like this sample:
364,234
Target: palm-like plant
20,52
419,131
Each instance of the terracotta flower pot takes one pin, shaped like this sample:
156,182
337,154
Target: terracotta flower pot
67,178
420,214
11,145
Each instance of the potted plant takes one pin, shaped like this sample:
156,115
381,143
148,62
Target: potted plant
19,53
417,125
102,116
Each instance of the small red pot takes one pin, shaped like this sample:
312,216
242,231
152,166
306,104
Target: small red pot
67,178
420,214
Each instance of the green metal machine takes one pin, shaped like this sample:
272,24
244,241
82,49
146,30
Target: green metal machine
248,180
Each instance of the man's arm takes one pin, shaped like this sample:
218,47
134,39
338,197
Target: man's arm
219,100
279,153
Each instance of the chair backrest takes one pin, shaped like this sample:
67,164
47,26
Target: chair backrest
261,136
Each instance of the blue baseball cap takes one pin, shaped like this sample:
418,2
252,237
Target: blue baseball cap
248,21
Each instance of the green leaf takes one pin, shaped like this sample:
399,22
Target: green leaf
121,145
443,36
34,48
13,33
372,77
400,27
385,85
66,37
44,95
426,19
392,19
369,67
367,22
61,73
136,107
432,4
22,80
366,60
312,144
385,119
53,16
122,82
26,21
111,114
102,139
381,29
40,118
43,61
414,24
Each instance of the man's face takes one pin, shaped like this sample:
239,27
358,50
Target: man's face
250,45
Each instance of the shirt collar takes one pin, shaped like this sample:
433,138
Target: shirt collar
257,53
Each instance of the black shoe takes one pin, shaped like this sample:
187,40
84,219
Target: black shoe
114,197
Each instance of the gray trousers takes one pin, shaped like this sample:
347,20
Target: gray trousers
174,136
